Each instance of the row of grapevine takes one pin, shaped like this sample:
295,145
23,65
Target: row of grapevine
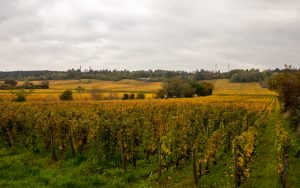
120,133
282,145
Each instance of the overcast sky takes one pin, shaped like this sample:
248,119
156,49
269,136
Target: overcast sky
149,34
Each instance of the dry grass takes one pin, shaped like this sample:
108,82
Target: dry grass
225,87
123,85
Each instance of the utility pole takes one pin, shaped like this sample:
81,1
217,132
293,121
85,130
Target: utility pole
216,68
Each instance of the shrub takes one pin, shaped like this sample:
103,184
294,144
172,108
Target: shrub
132,96
125,96
20,95
66,95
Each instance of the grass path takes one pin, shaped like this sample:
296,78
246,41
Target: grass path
263,169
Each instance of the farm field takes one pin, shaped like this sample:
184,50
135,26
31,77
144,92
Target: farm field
225,87
111,89
123,85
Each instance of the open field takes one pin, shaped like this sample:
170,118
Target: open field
115,90
121,86
225,87
109,89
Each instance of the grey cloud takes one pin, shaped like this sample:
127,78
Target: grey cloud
143,34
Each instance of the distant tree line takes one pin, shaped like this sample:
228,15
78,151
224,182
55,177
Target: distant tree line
237,75
113,75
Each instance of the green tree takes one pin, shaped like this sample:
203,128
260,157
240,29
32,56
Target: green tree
176,88
287,84
203,88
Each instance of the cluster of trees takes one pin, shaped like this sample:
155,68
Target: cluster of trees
127,96
180,88
287,84
252,75
247,76
13,84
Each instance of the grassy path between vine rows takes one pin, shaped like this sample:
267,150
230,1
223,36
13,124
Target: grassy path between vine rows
264,164
294,159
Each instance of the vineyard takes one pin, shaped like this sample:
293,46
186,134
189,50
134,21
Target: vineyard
115,90
148,140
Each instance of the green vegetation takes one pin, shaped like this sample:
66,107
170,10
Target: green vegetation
66,95
142,141
24,169
181,88
247,76
21,94
236,75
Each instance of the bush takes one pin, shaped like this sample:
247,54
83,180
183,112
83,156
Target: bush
132,96
20,95
66,95
125,96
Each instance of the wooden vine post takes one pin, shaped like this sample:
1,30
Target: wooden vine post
237,179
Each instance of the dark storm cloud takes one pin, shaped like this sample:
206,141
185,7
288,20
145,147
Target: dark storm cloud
144,34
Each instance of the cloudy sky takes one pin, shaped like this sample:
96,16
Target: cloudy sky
149,34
